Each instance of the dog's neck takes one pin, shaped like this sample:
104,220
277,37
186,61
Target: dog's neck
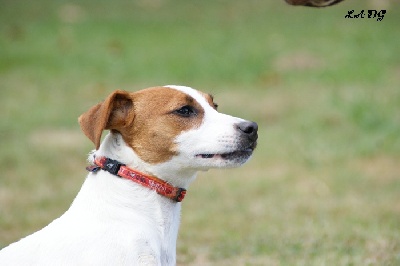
115,148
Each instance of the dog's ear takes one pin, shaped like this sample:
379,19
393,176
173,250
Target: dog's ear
115,113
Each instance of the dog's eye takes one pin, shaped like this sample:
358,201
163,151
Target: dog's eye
185,111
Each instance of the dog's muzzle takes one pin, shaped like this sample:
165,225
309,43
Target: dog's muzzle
247,135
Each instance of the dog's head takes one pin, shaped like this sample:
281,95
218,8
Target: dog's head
173,124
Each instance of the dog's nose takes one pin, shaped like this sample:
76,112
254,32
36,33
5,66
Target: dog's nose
249,128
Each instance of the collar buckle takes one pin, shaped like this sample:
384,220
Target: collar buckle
112,166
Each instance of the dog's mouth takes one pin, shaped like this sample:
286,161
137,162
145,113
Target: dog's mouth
245,153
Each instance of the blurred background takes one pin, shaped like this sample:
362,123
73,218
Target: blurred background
323,187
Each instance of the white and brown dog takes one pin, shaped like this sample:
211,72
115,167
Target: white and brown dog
128,209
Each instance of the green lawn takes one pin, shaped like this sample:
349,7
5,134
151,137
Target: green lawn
323,187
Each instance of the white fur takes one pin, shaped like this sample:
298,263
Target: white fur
113,221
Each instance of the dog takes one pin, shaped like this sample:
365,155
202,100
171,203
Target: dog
128,209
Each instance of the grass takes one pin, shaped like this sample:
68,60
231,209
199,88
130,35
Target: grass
323,186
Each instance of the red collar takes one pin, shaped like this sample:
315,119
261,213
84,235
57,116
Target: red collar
160,186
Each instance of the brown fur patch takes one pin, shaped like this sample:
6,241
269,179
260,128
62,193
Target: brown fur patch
146,120
155,125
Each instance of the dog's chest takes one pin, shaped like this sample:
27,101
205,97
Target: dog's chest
141,221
